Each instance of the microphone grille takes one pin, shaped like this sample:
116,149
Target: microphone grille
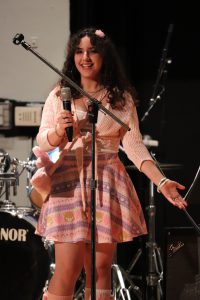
66,93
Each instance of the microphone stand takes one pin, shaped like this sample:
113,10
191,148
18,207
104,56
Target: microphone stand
93,113
162,70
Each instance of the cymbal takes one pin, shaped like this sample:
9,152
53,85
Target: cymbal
163,166
170,166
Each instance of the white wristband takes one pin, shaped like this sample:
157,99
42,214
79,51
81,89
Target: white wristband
161,183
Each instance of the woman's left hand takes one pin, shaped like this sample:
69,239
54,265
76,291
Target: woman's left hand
170,191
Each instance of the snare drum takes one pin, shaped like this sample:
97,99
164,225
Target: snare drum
24,259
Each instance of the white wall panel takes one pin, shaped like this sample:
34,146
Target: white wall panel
23,76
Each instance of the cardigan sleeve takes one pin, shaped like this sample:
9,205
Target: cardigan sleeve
132,140
48,120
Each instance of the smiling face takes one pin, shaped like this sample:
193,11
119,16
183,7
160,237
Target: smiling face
87,60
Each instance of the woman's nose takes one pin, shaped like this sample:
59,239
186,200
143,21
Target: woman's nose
86,54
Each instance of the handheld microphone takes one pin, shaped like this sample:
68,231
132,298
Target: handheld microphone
66,99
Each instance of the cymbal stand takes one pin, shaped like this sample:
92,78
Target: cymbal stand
120,277
155,266
9,179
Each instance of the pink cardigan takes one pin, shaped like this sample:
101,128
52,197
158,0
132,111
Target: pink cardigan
108,131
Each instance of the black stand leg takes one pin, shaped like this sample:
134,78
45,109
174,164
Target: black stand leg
155,266
123,286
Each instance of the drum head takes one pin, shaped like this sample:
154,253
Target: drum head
24,261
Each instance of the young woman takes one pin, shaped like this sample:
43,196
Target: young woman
92,62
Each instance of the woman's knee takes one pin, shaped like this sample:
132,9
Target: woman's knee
69,260
104,259
68,272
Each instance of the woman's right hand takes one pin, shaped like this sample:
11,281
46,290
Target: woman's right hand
64,119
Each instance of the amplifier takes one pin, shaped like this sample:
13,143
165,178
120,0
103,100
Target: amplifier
182,264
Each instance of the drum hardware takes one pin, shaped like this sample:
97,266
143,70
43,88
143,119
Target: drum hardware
79,293
10,179
47,243
120,277
4,161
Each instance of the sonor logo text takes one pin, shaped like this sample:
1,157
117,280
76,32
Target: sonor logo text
13,234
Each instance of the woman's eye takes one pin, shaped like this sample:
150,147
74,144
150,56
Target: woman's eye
78,51
92,50
88,52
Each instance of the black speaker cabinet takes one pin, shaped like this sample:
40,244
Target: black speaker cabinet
182,264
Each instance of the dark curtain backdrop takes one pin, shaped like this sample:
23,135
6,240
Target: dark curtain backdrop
139,30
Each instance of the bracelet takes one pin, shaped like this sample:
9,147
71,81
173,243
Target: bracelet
161,183
56,132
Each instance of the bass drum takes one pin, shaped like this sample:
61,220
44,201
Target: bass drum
25,261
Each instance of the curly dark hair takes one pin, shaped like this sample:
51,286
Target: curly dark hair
113,76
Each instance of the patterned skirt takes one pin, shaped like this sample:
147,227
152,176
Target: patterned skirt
119,216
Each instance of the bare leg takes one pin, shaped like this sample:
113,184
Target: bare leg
69,263
104,259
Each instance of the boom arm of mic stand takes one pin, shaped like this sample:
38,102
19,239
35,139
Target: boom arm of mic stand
19,39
